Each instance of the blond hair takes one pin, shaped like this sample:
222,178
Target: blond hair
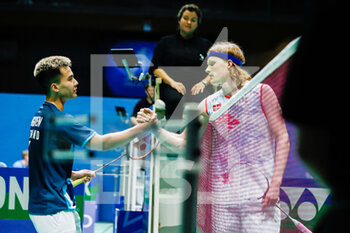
47,70
51,63
236,72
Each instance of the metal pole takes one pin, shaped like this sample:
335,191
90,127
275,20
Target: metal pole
192,153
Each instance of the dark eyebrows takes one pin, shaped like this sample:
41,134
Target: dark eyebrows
70,77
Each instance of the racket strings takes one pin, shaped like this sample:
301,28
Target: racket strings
145,155
131,157
81,180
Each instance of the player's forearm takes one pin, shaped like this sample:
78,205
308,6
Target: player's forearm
171,140
118,139
113,140
282,150
82,173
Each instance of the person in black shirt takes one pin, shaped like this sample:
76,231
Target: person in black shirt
173,60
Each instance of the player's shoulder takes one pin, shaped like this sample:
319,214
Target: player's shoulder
215,95
264,88
264,85
50,107
261,87
50,112
46,109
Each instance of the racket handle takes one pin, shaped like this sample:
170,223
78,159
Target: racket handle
78,181
301,227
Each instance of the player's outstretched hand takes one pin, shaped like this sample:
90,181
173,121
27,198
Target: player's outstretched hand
143,115
87,174
146,115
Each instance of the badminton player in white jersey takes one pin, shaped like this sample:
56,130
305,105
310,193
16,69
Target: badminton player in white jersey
51,197
258,127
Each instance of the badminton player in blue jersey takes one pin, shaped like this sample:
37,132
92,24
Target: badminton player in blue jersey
51,198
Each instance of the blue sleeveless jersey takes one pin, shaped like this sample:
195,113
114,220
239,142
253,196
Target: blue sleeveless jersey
50,189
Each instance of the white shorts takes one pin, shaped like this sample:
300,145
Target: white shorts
61,222
245,219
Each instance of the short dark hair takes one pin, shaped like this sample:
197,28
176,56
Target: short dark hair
190,7
47,71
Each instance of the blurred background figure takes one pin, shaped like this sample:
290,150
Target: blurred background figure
23,163
183,49
146,102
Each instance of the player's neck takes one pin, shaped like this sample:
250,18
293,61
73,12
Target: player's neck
229,88
59,103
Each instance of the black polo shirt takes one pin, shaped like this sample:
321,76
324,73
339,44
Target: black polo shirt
181,59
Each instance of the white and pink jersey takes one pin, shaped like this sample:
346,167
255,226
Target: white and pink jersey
215,101
238,154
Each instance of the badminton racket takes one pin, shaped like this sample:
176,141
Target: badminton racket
263,182
298,224
81,180
145,155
